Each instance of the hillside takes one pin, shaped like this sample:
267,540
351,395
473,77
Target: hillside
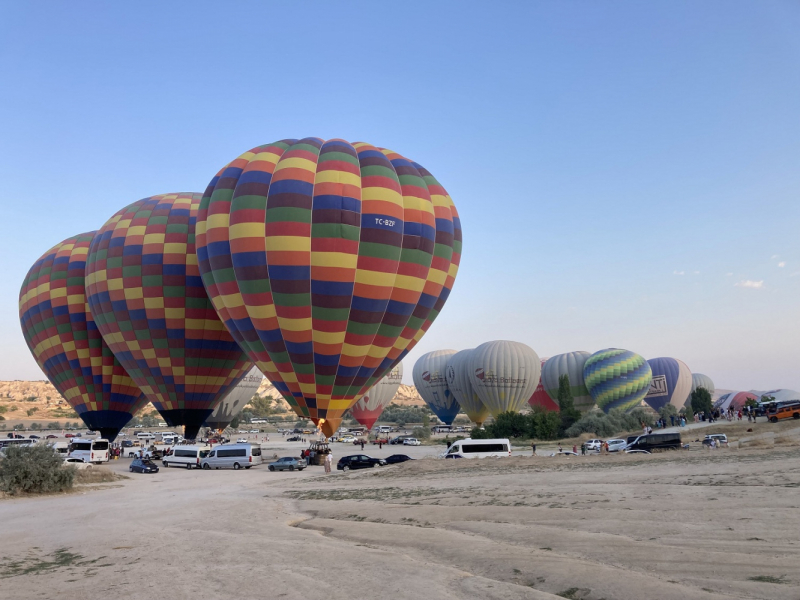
17,398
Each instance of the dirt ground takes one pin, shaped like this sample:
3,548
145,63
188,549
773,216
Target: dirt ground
699,524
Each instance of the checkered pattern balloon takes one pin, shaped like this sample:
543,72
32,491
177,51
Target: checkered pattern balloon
65,341
147,297
327,261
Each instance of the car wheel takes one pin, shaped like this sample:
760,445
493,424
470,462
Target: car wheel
206,467
376,465
291,467
774,420
189,466
131,469
236,466
166,464
271,468
345,468
247,467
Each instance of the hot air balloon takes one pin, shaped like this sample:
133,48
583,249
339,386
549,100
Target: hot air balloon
540,396
460,385
64,340
504,375
235,400
670,384
780,395
327,261
570,364
617,378
700,381
734,400
430,380
370,406
145,293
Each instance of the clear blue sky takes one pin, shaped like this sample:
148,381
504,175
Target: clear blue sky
627,173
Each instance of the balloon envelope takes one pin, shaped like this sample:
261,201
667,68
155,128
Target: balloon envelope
460,385
504,375
670,384
430,380
570,364
63,338
780,395
734,400
700,381
369,407
327,261
146,295
617,378
540,396
235,400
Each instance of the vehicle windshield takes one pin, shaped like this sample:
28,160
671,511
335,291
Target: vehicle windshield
204,453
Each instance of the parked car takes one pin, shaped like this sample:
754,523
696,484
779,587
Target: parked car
51,437
241,441
411,442
143,465
70,435
359,441
594,445
127,444
294,438
232,456
380,441
78,463
359,461
33,436
720,438
287,463
254,431
347,439
617,445
397,440
656,441
397,458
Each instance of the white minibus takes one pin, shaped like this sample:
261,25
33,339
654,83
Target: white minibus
90,451
186,456
470,448
233,456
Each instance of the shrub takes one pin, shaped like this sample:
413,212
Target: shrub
34,470
611,424
422,433
3,409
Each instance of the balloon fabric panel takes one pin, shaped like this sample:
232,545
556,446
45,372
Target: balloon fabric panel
147,297
65,341
318,256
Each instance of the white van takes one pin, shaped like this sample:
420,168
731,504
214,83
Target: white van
470,448
384,429
89,451
145,435
233,456
186,456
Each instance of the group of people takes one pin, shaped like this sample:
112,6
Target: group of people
310,454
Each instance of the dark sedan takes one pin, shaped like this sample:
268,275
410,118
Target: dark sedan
143,465
397,458
359,461
295,438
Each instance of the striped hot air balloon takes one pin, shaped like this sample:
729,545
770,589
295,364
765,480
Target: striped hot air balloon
327,261
617,378
148,300
540,396
369,407
64,339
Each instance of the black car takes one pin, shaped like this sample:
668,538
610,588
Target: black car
33,437
398,440
127,444
294,438
397,458
359,461
143,465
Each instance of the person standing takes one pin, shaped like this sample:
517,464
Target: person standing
533,448
328,461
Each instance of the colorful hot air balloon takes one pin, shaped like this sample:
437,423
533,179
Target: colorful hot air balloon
570,364
734,400
540,396
504,375
64,340
235,400
617,378
671,383
370,406
327,261
431,382
145,293
460,385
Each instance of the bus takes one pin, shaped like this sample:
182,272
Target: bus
18,442
90,451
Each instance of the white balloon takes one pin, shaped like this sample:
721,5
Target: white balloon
431,383
460,384
504,374
235,400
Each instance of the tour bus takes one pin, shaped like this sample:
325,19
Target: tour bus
90,451
442,429
20,443
470,448
233,456
186,456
